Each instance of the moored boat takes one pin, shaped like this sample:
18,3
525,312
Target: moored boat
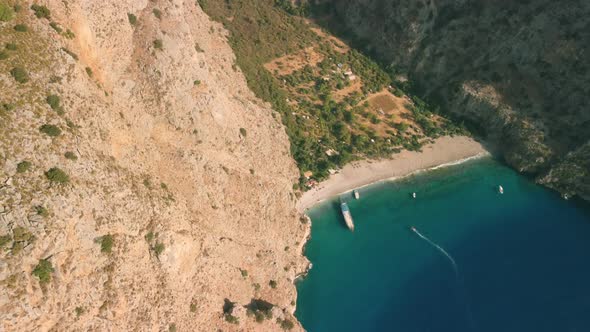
347,216
356,194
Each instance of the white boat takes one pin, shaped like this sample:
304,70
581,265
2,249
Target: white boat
347,216
356,194
413,195
500,189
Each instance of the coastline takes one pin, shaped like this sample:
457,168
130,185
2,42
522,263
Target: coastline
445,151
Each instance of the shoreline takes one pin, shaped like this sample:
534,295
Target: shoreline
445,151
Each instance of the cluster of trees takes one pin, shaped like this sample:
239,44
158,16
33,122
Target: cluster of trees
327,125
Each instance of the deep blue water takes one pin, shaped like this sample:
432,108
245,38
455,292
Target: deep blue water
523,258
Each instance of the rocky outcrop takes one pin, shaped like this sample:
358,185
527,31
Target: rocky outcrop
174,189
516,70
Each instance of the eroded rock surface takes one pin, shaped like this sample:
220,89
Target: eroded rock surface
175,159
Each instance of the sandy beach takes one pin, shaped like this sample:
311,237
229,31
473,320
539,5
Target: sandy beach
445,150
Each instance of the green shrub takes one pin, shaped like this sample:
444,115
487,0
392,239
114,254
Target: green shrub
53,101
11,46
159,248
17,8
197,82
50,130
132,19
4,240
70,53
6,13
149,237
89,71
41,11
231,319
56,27
42,211
193,306
21,28
69,34
79,311
272,284
3,55
260,308
106,243
19,74
43,271
70,155
243,132
244,273
287,324
57,175
157,13
158,44
172,328
23,166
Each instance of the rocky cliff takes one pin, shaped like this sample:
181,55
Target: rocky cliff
517,70
142,186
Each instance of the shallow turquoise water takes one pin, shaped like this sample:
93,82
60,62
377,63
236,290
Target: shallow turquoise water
523,258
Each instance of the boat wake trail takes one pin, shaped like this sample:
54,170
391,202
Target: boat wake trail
439,248
460,281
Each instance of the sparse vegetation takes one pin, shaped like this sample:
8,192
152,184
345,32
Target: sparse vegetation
244,273
70,53
158,44
159,248
228,308
132,19
42,211
243,132
172,328
286,324
6,12
106,243
193,306
21,28
54,103
43,271
260,309
157,13
11,47
41,11
20,74
197,82
79,311
69,34
50,130
89,71
272,284
4,240
3,55
56,27
23,166
70,155
56,175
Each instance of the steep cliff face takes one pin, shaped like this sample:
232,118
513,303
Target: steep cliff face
141,182
518,70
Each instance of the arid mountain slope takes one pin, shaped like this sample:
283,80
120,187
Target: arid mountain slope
170,156
518,70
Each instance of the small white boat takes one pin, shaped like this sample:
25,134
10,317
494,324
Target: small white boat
356,194
500,189
413,195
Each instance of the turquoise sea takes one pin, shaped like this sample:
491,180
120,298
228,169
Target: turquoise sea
522,258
